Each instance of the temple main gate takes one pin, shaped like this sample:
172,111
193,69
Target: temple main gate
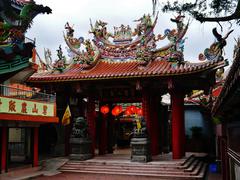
126,66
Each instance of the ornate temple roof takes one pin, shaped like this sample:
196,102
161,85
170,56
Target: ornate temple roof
129,69
127,53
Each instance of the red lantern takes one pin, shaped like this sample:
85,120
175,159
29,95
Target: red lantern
127,112
139,111
104,109
113,112
117,110
133,109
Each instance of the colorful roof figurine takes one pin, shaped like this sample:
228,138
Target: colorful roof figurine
127,52
215,50
15,18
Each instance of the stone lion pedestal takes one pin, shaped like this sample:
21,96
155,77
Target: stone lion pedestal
140,144
80,149
79,141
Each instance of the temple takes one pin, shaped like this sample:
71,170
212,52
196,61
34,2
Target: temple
124,67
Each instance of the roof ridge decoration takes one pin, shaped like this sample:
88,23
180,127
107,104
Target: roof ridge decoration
60,64
126,44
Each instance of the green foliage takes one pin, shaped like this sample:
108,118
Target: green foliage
202,9
219,6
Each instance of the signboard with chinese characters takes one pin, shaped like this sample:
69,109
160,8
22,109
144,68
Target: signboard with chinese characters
26,107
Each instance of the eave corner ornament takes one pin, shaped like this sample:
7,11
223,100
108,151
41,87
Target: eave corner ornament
215,51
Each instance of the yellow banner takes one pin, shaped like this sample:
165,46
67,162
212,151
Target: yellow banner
66,117
26,107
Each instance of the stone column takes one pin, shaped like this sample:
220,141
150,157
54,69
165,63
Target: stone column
178,127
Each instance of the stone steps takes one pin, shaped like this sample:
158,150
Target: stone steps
191,168
161,176
124,165
122,170
121,167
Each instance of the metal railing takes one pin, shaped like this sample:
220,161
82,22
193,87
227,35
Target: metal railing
12,92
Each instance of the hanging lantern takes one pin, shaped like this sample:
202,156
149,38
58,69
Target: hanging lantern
139,111
133,109
127,112
104,109
117,110
114,112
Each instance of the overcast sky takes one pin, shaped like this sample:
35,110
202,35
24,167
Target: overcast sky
48,29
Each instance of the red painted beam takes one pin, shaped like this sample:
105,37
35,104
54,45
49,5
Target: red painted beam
29,118
4,142
35,146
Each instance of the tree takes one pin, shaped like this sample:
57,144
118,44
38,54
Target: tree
203,11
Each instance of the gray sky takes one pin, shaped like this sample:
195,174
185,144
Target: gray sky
48,29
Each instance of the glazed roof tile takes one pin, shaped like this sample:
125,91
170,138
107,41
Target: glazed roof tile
110,70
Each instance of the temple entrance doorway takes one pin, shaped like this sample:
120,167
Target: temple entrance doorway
115,128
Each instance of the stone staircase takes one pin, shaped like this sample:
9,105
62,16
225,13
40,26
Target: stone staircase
191,168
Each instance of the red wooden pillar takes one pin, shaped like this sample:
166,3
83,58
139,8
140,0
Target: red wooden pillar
150,115
103,136
35,146
146,109
4,149
178,127
155,129
91,116
110,134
